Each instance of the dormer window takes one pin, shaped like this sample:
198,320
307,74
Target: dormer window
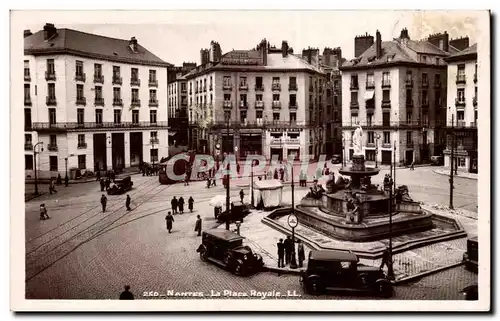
390,58
372,58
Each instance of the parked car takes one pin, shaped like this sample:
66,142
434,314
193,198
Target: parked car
238,212
341,271
226,249
120,186
437,160
336,159
471,256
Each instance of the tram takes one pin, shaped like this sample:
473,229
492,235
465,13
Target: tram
179,168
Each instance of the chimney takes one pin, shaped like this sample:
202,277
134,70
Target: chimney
461,43
27,33
440,40
362,43
263,47
327,53
133,44
337,54
306,54
49,31
204,56
404,34
284,48
378,45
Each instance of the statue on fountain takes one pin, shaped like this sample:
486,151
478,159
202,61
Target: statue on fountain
315,191
357,143
330,184
402,194
352,203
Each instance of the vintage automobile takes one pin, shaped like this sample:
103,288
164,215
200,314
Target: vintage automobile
120,186
471,256
336,159
437,160
341,271
226,249
238,212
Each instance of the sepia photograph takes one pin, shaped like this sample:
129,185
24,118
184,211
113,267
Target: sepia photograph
250,160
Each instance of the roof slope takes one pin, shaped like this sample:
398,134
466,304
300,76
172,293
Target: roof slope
81,43
389,49
471,50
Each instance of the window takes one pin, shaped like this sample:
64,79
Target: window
425,79
370,80
293,100
153,136
117,116
97,70
28,162
98,92
27,118
354,97
82,161
52,116
293,117
409,139
276,97
425,98
27,69
135,116
28,139
52,91
53,140
116,72
408,96
276,116
152,95
335,101
408,117
81,139
371,137
386,95
53,163
51,67
424,137
79,69
152,77
243,100
461,94
79,92
369,119
276,81
135,95
424,59
243,116
98,116
27,96
258,114
370,155
385,79
80,112
116,94
461,70
134,74
386,119
409,77
243,81
154,154
425,119
437,79
354,120
354,81
152,116
293,83
227,97
387,137
460,115
227,81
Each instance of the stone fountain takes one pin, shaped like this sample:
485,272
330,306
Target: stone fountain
356,210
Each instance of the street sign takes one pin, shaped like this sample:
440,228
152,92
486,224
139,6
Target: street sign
293,221
235,148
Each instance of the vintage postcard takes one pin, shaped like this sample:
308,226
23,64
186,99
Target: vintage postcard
250,160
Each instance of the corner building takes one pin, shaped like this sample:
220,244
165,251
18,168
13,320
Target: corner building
396,91
96,103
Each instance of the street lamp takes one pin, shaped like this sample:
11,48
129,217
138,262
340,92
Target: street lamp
153,141
251,177
377,137
228,208
293,262
452,158
343,151
66,177
34,163
390,270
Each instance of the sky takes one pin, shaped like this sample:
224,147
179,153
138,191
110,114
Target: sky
177,37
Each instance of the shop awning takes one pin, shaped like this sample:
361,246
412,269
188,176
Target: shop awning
369,94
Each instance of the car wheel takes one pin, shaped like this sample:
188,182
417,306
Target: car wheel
238,269
315,287
203,255
363,280
385,289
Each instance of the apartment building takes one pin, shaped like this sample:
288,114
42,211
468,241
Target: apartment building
396,91
92,102
254,102
463,109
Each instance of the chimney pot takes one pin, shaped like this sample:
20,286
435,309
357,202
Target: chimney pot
378,45
27,33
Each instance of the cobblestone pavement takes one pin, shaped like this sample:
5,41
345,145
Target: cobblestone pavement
81,253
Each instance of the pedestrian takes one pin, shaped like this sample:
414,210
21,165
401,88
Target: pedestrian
281,253
190,204
213,181
180,204
208,182
186,180
66,181
43,212
59,179
52,186
174,205
242,195
197,227
169,219
282,174
126,295
108,183
127,203
98,176
412,166
275,173
288,249
385,259
104,200
300,252
103,185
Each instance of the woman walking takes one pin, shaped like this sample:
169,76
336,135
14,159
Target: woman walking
169,219
190,204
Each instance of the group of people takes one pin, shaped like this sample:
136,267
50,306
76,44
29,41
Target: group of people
178,205
169,219
286,249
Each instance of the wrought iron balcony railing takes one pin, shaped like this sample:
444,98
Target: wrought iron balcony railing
51,101
461,79
50,75
135,82
80,77
52,147
99,101
117,80
81,101
94,125
154,83
154,103
98,79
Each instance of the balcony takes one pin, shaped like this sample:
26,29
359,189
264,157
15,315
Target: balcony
386,103
227,87
227,104
409,145
50,101
386,83
204,88
28,146
354,105
259,88
98,79
154,103
424,84
257,124
473,124
135,82
354,86
425,103
99,101
370,84
50,75
311,88
461,79
460,102
27,101
461,123
474,101
91,126
276,87
82,145
117,80
118,102
135,103
370,145
292,87
386,145
259,104
437,85
81,101
409,124
243,104
243,87
409,103
154,83
27,77
80,77
276,105
409,83
52,147
292,106
475,78
183,90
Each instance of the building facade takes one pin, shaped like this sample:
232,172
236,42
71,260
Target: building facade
462,109
92,102
396,91
254,102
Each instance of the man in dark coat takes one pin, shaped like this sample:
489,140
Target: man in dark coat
174,205
126,295
190,204
282,174
127,202
275,173
281,253
108,182
197,227
98,176
180,204
301,253
104,200
66,181
101,181
288,249
169,219
242,195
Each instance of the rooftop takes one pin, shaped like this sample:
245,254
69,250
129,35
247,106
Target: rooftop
224,234
330,255
467,53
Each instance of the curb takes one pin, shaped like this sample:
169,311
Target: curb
447,174
282,183
426,273
76,181
282,270
33,196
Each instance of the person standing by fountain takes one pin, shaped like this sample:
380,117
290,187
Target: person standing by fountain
281,253
301,253
288,249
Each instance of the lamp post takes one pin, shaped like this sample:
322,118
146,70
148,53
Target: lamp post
153,141
66,177
34,163
452,158
343,149
251,200
228,207
390,270
377,137
293,222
